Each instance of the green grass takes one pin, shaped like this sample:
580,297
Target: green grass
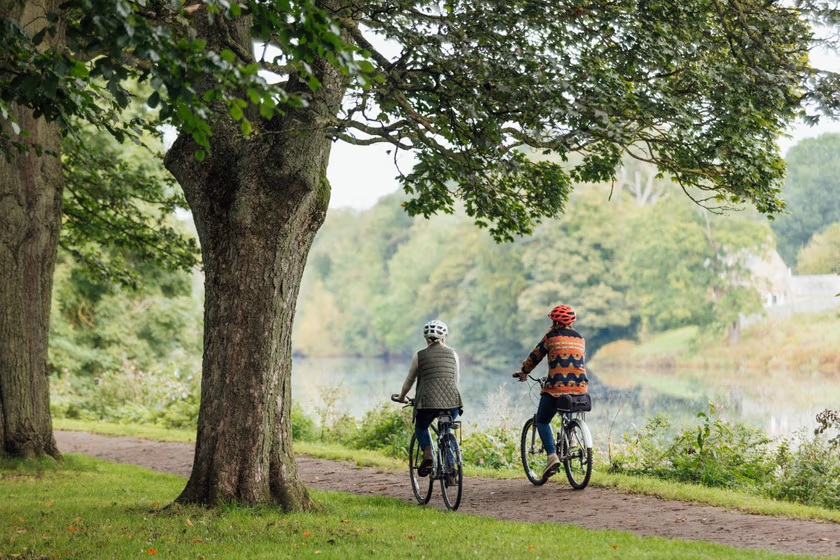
86,508
154,433
692,493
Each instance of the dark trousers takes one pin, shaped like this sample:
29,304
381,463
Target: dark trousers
424,419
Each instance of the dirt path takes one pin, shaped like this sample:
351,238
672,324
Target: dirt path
593,508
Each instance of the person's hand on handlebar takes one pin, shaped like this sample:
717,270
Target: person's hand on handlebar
396,398
521,375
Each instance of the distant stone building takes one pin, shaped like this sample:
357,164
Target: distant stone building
785,293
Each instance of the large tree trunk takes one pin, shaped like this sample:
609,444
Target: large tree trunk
30,219
257,203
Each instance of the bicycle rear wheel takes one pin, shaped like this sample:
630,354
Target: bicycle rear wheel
452,473
577,458
532,452
422,486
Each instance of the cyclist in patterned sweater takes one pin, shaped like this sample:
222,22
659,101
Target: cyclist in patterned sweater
566,351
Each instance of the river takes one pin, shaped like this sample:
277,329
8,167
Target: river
622,398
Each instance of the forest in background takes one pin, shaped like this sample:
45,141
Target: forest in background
635,259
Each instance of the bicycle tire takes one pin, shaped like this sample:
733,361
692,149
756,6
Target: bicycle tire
452,472
532,453
421,486
577,458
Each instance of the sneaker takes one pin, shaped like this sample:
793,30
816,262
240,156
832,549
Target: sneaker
552,464
428,461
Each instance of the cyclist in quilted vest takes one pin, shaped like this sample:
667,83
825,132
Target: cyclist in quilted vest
566,351
436,370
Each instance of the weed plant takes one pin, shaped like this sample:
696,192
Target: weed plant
167,398
720,454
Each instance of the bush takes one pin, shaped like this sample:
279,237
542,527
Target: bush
383,428
808,469
303,427
712,453
129,395
494,449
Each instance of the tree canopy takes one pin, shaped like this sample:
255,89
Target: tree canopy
811,194
699,88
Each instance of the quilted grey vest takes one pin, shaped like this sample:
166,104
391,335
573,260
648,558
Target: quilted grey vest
436,378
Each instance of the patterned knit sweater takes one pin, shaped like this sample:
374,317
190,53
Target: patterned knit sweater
566,351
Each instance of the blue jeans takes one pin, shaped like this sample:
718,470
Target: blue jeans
424,419
545,414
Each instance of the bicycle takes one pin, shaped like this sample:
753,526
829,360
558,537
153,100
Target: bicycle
447,466
574,442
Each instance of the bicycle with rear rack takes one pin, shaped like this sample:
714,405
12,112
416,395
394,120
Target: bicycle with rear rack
446,468
572,436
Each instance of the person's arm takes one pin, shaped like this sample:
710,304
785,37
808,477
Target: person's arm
536,355
409,380
457,369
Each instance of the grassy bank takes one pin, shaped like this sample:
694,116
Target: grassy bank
85,508
800,343
729,499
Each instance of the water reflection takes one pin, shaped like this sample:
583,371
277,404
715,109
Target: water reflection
623,399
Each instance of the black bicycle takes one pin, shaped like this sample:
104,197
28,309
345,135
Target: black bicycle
574,442
446,468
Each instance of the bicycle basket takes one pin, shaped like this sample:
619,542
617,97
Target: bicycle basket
574,403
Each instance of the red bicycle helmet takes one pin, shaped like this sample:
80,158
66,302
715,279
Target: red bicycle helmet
563,314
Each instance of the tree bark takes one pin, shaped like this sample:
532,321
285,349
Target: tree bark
257,202
30,220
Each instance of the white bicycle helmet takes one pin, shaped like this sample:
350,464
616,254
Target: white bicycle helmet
435,330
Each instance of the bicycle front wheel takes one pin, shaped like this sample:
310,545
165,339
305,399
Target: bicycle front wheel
577,457
532,452
422,486
451,472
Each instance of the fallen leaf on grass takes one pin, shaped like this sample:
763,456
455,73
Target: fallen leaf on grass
72,529
345,521
411,537
614,546
197,541
307,534
530,547
49,504
189,522
152,552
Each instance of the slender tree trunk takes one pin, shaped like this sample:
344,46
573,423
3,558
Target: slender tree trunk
30,219
257,203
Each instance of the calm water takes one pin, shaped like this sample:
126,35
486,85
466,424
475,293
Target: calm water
622,399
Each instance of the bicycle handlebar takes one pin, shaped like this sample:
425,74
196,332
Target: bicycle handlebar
396,398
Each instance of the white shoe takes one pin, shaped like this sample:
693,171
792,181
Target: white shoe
552,464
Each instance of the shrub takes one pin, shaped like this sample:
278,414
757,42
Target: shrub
494,449
128,395
713,453
383,428
808,469
303,427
